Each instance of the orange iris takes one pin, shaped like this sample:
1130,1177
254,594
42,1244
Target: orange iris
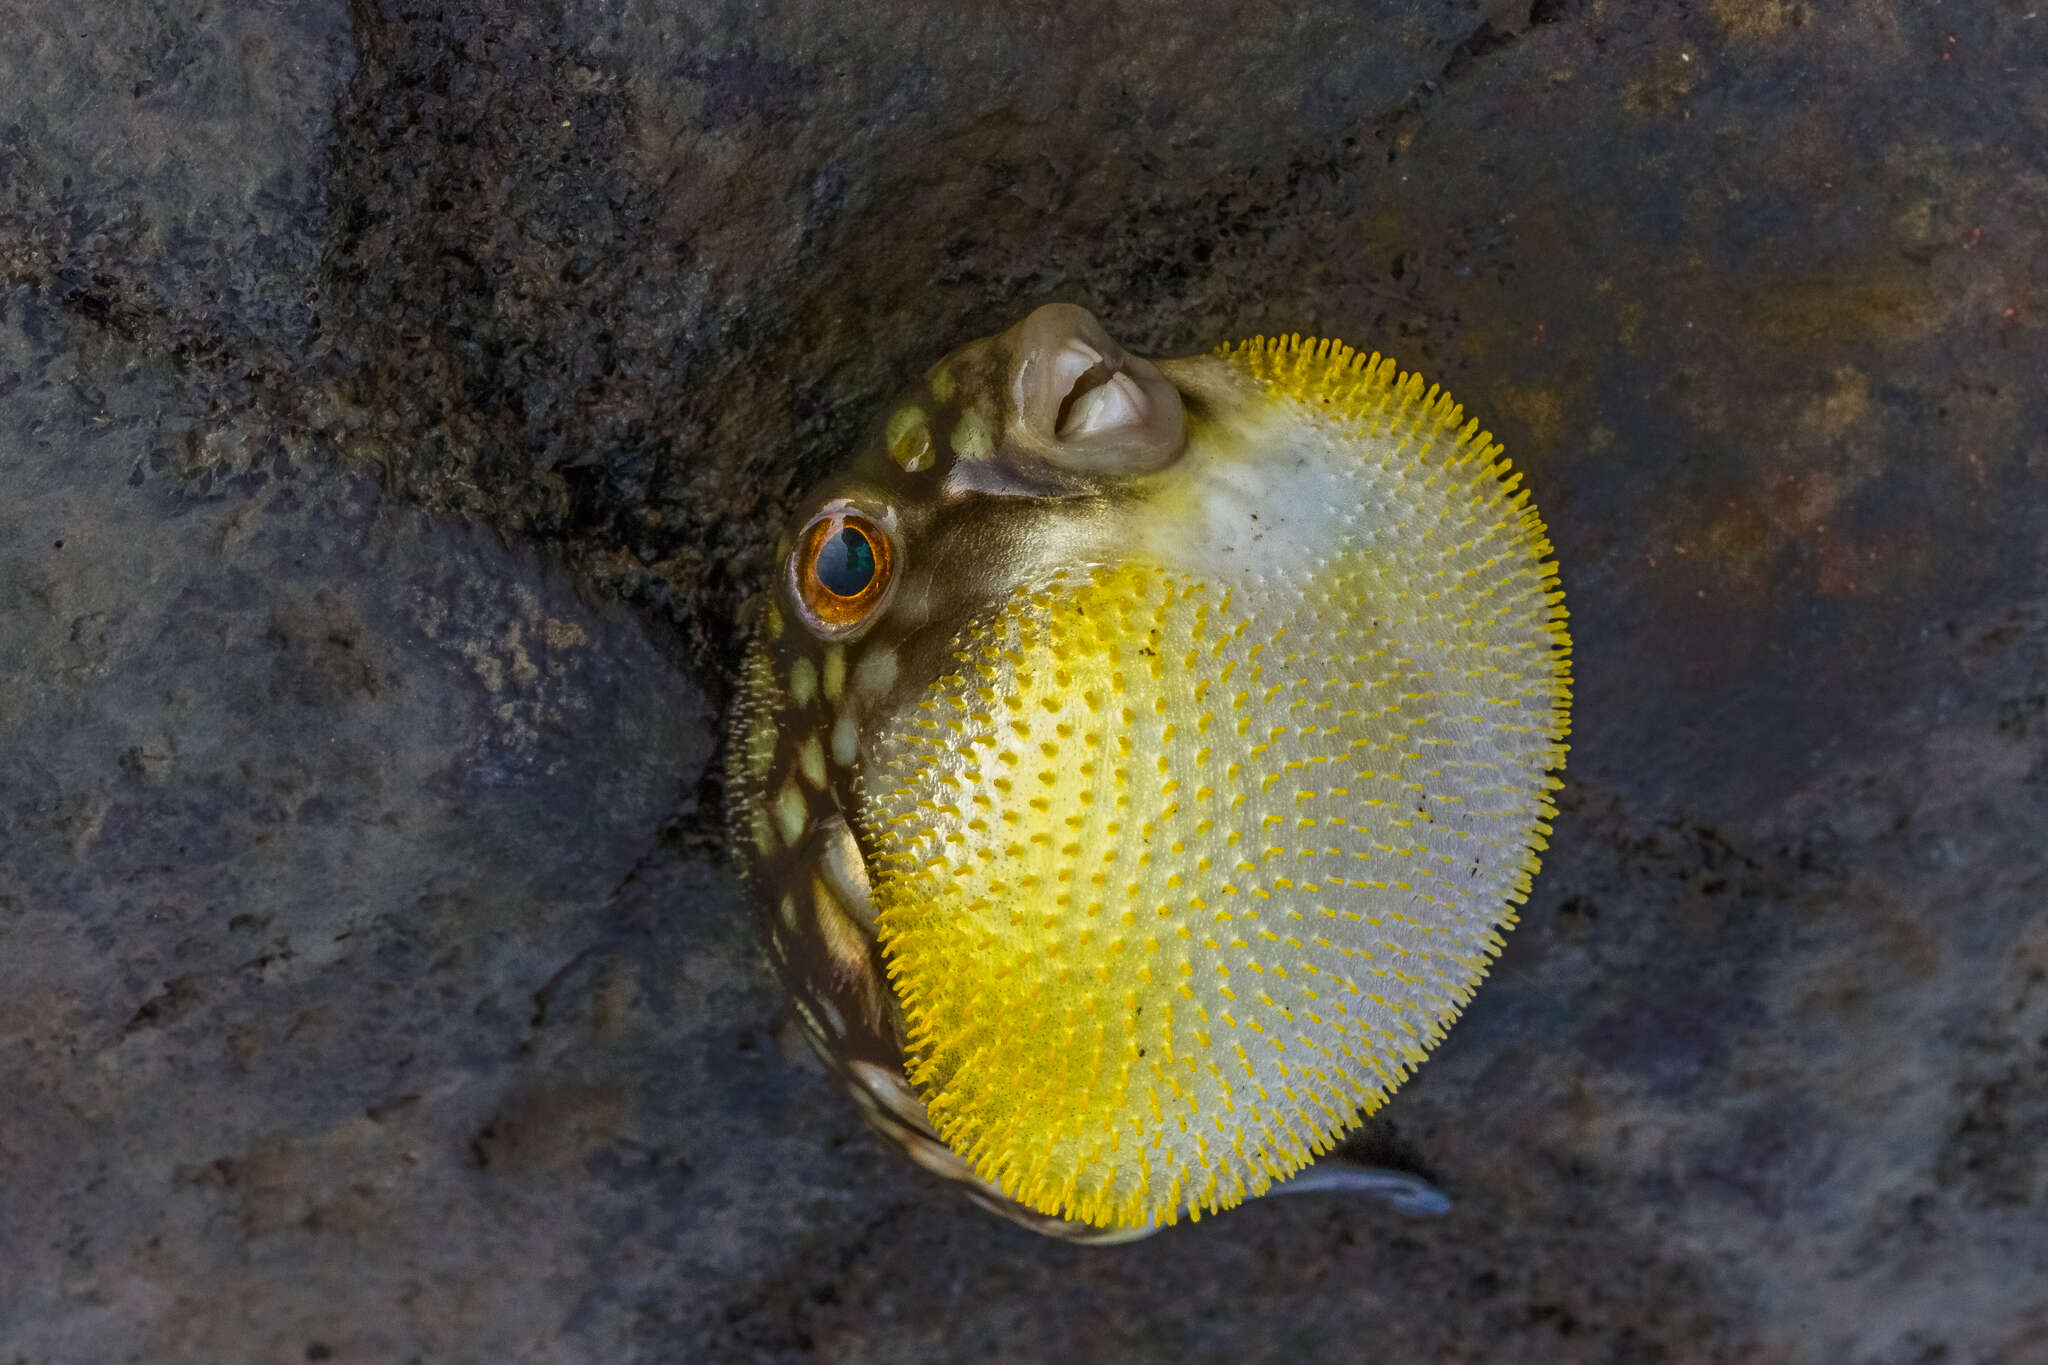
842,568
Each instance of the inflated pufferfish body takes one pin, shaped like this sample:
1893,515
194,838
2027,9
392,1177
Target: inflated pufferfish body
1138,763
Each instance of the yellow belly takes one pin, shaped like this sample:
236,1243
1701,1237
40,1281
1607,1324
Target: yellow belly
1177,878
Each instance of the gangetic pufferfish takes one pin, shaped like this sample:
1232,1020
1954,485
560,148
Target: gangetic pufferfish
1138,762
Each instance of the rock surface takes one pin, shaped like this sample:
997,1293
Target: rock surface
395,404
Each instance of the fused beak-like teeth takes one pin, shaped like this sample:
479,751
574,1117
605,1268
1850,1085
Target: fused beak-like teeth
1082,402
1113,402
1072,364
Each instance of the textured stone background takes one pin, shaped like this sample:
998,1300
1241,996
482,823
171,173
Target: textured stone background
396,402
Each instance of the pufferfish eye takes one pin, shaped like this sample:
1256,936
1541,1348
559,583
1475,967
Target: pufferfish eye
841,571
846,562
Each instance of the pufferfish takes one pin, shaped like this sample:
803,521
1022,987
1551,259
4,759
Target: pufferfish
1137,762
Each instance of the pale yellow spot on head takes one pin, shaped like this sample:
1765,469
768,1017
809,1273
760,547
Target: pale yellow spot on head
771,620
791,813
803,682
811,759
845,740
876,673
835,671
845,874
942,384
788,908
762,830
843,940
972,438
910,439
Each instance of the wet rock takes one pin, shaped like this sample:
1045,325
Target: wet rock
303,796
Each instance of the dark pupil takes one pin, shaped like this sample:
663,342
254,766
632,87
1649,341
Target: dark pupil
846,563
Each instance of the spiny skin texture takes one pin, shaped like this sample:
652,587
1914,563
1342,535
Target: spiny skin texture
1174,804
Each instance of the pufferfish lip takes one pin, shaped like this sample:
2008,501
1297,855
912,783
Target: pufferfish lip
1083,403
1205,822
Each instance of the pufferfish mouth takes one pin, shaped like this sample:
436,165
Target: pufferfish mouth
1183,866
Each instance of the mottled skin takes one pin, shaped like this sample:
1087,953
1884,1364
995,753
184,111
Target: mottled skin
1016,455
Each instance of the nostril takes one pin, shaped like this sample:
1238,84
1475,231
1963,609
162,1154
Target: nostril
1109,401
